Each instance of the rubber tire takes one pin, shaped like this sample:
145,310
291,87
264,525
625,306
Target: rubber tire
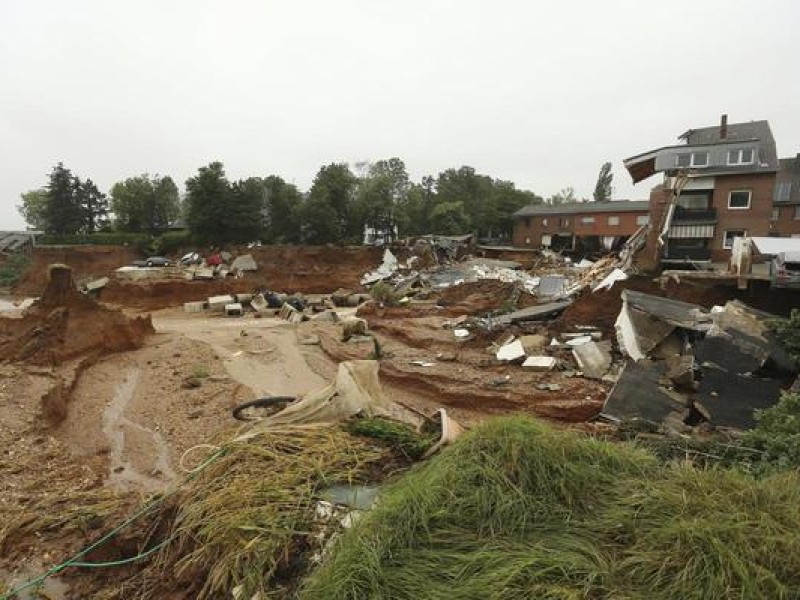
259,403
149,263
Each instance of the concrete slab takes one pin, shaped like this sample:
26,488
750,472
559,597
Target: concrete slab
245,262
512,351
592,359
540,363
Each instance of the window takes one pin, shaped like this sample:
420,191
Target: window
642,220
544,222
693,159
776,212
727,241
587,220
739,199
565,222
527,221
527,241
797,213
613,220
743,156
783,191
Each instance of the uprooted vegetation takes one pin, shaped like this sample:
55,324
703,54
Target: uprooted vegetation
517,510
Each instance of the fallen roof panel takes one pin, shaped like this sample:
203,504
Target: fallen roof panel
776,245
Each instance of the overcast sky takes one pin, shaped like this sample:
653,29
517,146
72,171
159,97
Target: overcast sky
540,93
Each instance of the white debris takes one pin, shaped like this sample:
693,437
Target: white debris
578,341
461,333
584,264
217,303
234,309
512,351
540,363
422,363
611,279
387,268
193,307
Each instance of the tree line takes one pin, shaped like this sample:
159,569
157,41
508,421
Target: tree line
338,208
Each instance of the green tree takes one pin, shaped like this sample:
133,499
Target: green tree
243,218
93,204
63,214
282,202
603,189
207,200
34,208
329,213
565,196
145,203
381,194
449,218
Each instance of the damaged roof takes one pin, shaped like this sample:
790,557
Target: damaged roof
643,165
584,207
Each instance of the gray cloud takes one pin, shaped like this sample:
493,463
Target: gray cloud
540,93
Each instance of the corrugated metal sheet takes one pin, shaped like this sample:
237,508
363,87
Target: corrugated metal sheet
690,231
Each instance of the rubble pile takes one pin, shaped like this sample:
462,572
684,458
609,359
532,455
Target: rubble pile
690,366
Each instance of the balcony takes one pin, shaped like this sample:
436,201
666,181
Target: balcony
695,214
688,254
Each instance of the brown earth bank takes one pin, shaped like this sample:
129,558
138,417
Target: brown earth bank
602,308
87,262
65,324
462,376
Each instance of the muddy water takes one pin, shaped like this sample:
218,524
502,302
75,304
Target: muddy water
122,472
289,376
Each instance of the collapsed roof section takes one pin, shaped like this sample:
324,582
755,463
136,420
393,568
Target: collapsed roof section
689,364
719,150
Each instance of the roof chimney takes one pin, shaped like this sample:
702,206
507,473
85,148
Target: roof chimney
723,127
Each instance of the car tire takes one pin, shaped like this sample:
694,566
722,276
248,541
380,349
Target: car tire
149,263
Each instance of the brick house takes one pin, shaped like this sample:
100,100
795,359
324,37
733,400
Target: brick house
720,183
585,226
785,217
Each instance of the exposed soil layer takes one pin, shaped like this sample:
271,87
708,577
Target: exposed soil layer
153,295
602,308
87,262
462,375
65,324
483,296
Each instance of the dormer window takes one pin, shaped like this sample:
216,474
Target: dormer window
692,159
743,156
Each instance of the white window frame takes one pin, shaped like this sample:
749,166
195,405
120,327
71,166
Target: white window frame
565,222
613,222
544,222
706,154
643,220
749,199
725,233
775,214
587,220
739,153
796,213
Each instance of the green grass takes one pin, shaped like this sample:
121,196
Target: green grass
517,510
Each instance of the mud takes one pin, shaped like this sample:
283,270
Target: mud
65,324
87,262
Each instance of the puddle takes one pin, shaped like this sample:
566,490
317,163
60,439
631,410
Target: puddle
121,470
358,497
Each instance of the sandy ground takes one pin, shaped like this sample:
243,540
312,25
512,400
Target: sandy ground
133,416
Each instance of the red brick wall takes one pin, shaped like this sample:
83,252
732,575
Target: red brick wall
787,224
755,220
534,227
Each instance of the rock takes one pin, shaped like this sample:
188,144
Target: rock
309,340
353,326
245,262
191,382
533,344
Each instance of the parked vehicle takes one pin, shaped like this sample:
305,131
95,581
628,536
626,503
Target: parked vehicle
785,270
153,261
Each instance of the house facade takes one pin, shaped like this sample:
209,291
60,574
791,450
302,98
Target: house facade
720,183
585,226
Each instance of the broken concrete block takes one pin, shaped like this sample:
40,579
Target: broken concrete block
592,359
217,303
680,371
245,262
244,298
512,351
579,341
259,303
461,333
290,313
193,307
234,309
97,284
203,273
540,363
